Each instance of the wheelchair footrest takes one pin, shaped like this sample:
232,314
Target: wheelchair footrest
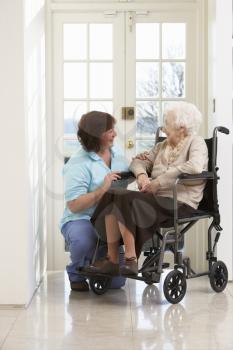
95,274
165,265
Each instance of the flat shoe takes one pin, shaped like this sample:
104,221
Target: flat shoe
130,267
103,265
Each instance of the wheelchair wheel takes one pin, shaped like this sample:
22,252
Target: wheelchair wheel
218,276
99,285
175,286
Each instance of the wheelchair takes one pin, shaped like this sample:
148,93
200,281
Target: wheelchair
172,239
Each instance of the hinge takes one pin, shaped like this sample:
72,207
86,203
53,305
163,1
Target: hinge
214,105
130,21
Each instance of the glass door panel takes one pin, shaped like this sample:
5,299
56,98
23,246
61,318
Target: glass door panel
75,80
101,41
149,48
173,40
173,80
147,118
147,79
101,83
74,41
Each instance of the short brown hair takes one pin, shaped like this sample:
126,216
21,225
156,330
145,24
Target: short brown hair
91,127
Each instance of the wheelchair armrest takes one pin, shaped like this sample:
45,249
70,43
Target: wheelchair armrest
126,175
205,175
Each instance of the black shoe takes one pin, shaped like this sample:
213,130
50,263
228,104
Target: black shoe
130,267
82,286
103,265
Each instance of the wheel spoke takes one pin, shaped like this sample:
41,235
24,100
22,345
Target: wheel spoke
173,293
224,276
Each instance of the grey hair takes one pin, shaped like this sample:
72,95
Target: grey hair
185,115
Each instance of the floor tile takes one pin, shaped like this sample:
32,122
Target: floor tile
84,343
203,320
6,324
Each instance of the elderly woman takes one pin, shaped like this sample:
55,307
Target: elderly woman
134,215
87,176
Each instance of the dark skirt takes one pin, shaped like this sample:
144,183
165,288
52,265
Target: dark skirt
142,213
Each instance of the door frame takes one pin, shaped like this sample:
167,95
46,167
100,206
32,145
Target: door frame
54,7
220,91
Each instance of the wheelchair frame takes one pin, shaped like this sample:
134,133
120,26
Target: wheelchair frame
152,268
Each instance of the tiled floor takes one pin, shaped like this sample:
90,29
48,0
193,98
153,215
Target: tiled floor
137,317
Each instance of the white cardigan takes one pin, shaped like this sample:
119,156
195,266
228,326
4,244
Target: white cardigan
193,159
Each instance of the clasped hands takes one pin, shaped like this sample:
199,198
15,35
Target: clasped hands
143,181
147,185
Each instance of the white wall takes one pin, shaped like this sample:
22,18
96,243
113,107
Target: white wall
21,181
220,88
13,233
35,127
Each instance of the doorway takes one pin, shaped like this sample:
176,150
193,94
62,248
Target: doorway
126,62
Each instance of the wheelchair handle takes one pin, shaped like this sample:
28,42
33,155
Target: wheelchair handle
223,130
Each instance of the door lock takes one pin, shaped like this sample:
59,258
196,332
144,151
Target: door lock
127,113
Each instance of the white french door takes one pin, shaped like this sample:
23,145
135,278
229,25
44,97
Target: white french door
108,61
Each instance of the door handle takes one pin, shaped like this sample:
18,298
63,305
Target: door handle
130,143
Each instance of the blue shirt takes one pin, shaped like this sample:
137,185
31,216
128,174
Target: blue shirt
84,173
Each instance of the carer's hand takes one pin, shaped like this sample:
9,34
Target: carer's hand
142,156
109,178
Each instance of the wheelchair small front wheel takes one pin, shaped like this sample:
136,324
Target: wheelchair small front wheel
175,286
218,276
148,274
99,285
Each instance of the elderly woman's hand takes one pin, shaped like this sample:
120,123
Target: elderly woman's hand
142,156
142,180
151,187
